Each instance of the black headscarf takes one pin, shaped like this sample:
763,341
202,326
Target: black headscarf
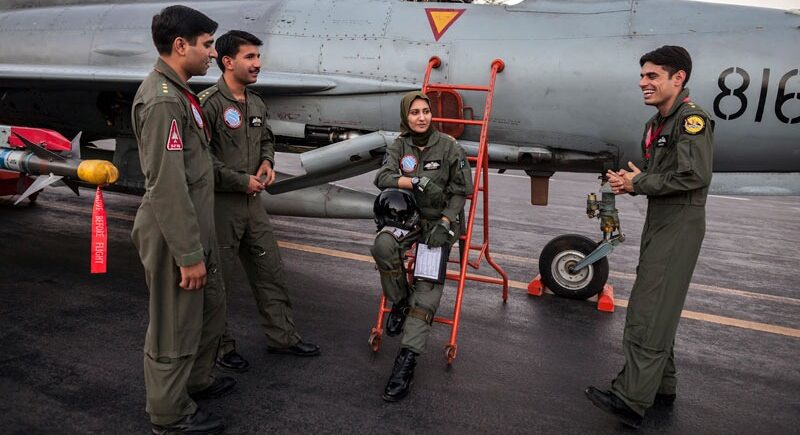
419,139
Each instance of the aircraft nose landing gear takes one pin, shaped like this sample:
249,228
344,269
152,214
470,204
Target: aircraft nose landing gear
557,266
576,267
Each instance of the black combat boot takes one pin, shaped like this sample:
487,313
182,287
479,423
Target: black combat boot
396,318
610,403
233,362
402,374
201,422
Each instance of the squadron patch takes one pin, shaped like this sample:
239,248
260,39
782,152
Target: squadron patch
232,117
198,118
431,165
408,163
174,141
694,124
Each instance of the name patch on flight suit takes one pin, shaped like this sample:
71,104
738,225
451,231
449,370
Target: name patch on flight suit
431,165
174,141
408,163
694,124
232,117
662,140
256,121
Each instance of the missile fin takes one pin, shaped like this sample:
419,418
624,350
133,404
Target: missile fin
39,151
75,147
40,183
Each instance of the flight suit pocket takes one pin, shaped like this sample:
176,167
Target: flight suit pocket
664,157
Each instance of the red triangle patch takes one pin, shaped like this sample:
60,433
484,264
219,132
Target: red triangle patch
174,141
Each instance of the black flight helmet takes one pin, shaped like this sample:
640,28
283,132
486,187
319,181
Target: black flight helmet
396,208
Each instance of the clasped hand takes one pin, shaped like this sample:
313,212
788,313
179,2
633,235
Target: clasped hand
622,181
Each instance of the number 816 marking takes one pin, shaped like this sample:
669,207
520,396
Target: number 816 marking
780,99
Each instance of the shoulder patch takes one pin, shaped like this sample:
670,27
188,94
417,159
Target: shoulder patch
694,124
174,141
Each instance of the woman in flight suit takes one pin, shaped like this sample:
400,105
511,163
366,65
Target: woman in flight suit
434,167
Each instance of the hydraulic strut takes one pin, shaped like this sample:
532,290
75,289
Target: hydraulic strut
606,210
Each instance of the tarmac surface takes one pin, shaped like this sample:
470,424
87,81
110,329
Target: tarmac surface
71,359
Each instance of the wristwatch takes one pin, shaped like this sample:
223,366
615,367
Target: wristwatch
414,182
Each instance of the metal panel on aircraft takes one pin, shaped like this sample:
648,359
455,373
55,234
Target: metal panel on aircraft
405,61
356,19
345,56
572,7
289,53
30,27
123,38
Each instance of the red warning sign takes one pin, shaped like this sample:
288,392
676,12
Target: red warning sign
174,141
442,19
99,234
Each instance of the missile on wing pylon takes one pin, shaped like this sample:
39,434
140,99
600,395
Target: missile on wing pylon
35,151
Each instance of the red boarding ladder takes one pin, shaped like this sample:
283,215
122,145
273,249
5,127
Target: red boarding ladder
481,192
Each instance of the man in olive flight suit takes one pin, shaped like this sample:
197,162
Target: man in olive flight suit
174,229
243,150
434,166
678,153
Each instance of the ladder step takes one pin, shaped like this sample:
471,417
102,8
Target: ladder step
453,276
458,121
458,87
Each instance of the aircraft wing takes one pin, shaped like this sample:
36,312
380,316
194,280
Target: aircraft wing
39,75
29,75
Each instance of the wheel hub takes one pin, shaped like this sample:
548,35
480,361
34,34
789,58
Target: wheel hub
562,267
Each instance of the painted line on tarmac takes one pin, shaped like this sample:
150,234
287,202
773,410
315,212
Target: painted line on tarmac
693,286
730,197
535,261
710,318
518,284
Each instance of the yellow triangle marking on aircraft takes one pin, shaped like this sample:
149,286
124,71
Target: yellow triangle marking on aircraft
441,19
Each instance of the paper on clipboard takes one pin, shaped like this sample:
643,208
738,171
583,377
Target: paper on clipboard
430,263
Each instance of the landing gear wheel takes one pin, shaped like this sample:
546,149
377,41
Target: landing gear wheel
558,258
375,339
450,353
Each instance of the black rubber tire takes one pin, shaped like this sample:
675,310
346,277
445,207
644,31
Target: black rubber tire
569,249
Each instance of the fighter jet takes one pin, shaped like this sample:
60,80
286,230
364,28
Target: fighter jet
567,99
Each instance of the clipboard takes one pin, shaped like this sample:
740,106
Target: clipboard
430,264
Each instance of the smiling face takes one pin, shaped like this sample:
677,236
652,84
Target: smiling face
246,65
658,88
198,56
419,116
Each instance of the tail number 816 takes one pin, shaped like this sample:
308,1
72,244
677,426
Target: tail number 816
781,99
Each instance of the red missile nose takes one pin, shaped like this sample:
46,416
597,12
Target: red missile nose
51,140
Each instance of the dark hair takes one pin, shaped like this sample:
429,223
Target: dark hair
672,58
179,22
229,43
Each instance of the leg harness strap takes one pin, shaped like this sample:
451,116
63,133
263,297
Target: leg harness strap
421,314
